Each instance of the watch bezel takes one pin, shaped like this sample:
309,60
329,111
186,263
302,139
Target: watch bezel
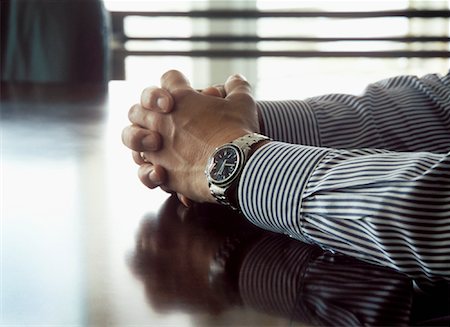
236,172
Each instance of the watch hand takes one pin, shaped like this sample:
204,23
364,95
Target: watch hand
222,167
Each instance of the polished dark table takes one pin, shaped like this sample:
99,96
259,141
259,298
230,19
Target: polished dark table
84,243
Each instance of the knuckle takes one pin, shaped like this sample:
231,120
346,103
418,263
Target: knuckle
125,136
136,137
137,158
131,137
240,84
146,96
143,174
156,140
151,120
154,121
149,98
169,73
132,112
245,83
236,76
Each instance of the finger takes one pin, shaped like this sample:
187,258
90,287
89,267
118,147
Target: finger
215,91
237,88
140,157
157,99
137,115
174,80
137,158
140,139
152,176
144,118
221,89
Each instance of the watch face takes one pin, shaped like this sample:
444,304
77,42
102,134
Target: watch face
224,164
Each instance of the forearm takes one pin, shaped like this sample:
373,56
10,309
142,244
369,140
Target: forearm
401,114
385,207
289,121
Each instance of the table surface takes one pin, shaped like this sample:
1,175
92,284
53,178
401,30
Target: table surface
84,243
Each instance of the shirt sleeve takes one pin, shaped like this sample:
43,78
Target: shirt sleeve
404,113
389,208
288,278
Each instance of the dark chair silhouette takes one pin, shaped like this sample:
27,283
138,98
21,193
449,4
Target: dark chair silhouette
63,41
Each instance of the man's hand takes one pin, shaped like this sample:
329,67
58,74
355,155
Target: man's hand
182,129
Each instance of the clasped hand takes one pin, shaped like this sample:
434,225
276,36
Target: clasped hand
177,128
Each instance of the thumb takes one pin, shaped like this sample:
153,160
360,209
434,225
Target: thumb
237,88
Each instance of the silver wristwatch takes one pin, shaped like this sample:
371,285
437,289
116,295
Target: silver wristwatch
225,167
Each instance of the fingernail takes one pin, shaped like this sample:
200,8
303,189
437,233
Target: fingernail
154,177
162,103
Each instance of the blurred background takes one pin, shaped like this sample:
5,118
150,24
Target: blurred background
287,49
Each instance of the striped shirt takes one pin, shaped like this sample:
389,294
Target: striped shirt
367,176
287,278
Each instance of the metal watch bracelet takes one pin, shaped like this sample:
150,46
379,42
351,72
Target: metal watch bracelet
245,143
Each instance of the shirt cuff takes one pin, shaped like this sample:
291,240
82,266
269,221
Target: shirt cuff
291,121
272,184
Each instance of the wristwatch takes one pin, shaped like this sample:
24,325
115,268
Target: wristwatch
225,167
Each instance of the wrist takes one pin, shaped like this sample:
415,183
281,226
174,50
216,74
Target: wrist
226,164
233,192
262,129
257,146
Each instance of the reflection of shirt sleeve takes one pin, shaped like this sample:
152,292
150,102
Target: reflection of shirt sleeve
296,280
401,114
392,208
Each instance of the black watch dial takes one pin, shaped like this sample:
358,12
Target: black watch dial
225,164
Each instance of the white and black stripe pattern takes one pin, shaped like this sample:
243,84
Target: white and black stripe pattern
290,121
270,275
273,184
281,276
404,113
392,208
